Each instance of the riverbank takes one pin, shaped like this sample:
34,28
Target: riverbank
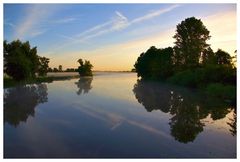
51,76
9,82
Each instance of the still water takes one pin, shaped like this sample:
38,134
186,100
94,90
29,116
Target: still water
116,115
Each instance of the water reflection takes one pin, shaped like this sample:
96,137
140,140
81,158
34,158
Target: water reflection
20,102
84,85
187,107
233,123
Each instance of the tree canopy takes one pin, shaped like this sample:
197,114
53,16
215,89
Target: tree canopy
155,63
22,62
85,68
43,66
191,62
191,36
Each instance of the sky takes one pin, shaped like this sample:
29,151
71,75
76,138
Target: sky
112,36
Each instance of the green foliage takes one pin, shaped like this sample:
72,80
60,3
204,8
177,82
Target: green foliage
223,58
202,76
85,68
191,36
155,63
43,66
21,62
222,91
188,78
191,63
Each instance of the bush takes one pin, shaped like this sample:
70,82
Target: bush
189,78
227,92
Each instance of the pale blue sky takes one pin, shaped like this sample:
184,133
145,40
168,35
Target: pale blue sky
110,35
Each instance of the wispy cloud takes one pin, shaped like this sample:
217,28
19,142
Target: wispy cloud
27,27
63,20
128,54
6,22
94,29
67,37
121,22
36,33
153,14
117,23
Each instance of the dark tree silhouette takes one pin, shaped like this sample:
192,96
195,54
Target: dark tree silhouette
84,85
20,60
191,36
155,63
60,68
85,68
191,63
43,66
20,102
55,70
223,58
208,57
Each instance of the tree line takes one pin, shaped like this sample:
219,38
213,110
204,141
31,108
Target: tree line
21,62
191,62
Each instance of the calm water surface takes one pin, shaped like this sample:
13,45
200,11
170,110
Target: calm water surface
116,115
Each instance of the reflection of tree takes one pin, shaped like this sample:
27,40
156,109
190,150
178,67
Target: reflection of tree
84,85
185,124
19,102
152,98
233,123
186,107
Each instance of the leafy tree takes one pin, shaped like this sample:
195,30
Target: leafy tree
208,56
85,68
144,61
60,68
191,36
70,70
55,70
50,69
223,58
43,66
155,63
20,60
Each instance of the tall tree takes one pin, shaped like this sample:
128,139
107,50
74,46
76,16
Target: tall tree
208,57
191,36
43,66
60,68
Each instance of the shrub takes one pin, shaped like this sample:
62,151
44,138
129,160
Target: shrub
227,92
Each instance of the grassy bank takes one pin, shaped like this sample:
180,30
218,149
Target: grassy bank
217,81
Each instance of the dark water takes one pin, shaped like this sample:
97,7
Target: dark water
116,115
